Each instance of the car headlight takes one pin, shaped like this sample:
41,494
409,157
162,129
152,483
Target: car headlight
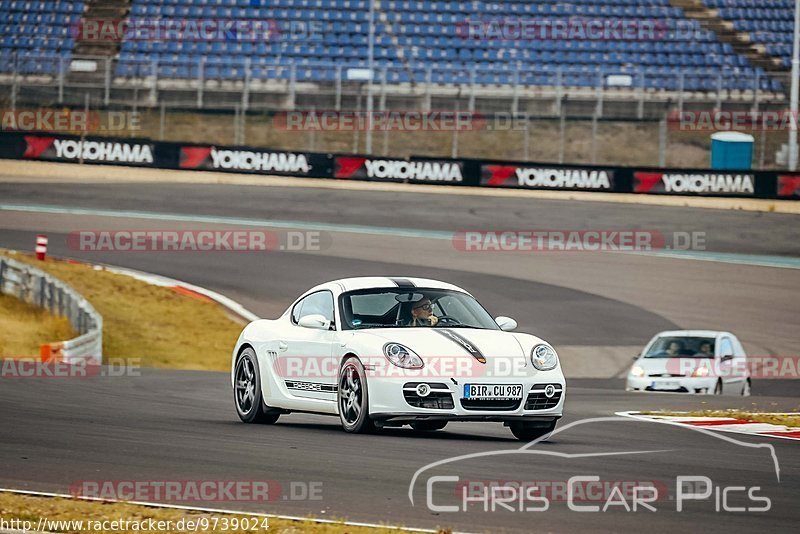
402,356
700,372
637,371
544,358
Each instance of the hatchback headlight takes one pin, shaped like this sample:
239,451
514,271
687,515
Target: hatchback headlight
544,358
700,372
402,356
637,371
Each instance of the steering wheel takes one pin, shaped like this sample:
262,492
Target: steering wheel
447,319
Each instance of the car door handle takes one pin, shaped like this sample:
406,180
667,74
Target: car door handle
282,345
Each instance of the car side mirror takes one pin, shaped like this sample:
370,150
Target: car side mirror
315,321
506,324
636,357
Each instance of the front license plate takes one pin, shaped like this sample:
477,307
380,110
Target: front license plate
492,391
664,385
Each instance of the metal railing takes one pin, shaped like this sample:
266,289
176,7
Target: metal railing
289,83
38,288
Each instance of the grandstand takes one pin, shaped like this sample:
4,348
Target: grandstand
769,23
35,36
313,46
423,41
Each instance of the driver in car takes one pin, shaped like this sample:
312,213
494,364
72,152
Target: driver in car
422,313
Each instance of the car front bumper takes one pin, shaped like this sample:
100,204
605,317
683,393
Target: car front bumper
396,401
679,384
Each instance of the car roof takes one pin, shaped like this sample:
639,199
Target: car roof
693,333
368,282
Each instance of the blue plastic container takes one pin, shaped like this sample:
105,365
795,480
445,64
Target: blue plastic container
731,150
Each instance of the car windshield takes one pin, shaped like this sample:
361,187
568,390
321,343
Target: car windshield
682,347
404,308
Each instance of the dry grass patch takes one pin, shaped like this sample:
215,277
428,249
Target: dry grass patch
156,325
24,327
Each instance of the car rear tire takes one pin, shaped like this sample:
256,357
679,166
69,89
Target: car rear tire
528,432
718,388
247,391
428,426
353,398
746,388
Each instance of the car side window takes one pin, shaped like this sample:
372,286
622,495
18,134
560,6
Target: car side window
726,347
320,303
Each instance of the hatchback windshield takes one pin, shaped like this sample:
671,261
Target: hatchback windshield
676,347
403,308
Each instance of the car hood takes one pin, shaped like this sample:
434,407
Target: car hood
451,342
678,366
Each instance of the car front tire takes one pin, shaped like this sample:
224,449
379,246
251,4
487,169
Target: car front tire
528,432
353,398
247,391
428,426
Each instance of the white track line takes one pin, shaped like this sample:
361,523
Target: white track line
216,510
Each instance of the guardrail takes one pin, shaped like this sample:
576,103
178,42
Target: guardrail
147,153
38,288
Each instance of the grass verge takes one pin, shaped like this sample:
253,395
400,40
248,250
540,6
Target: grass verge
774,418
56,509
150,325
24,327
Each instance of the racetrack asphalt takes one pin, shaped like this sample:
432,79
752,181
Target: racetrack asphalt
600,307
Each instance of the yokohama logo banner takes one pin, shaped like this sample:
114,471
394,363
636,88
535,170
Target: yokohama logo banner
694,183
88,150
247,160
449,172
543,177
789,186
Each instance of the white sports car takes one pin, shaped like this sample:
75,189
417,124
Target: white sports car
382,352
691,361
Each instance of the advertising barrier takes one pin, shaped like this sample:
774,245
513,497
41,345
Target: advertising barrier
533,176
416,169
74,149
253,160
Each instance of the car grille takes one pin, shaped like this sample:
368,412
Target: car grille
537,400
498,405
439,398
665,375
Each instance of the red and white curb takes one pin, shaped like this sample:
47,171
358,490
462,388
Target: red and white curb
176,285
187,289
725,424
